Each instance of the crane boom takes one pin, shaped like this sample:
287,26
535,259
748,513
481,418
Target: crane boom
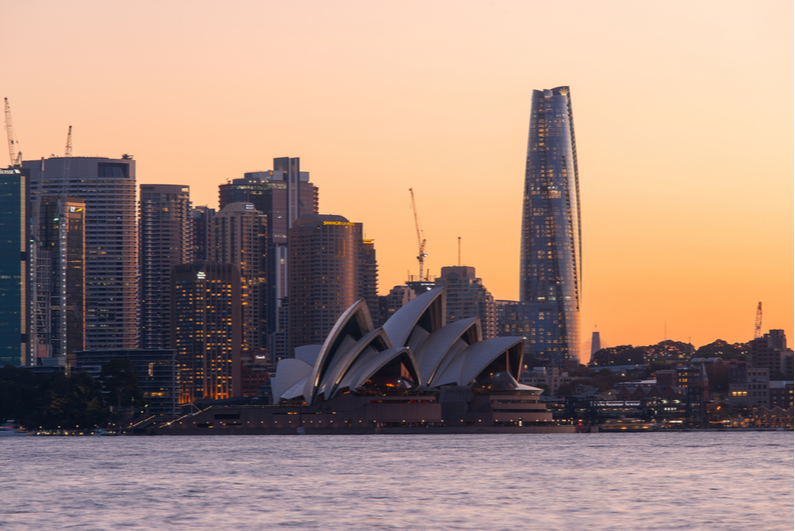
420,240
16,159
758,323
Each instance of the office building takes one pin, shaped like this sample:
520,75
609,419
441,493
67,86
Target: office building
283,194
240,238
468,297
205,330
107,186
15,310
329,271
58,252
770,352
165,234
551,265
155,369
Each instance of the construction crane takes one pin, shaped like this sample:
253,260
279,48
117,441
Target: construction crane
14,157
420,236
758,324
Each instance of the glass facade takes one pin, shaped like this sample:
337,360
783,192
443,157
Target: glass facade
14,268
551,266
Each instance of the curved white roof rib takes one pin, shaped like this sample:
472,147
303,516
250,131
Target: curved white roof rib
480,355
346,355
296,391
288,373
354,323
428,307
308,353
367,366
432,351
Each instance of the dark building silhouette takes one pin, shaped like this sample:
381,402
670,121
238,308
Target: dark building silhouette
165,241
201,233
770,352
331,267
468,297
551,265
14,267
206,331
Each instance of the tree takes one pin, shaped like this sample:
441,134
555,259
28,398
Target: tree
120,381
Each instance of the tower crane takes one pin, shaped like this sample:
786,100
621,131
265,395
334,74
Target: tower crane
420,236
758,323
16,158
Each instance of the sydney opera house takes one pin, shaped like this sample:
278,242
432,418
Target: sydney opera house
415,374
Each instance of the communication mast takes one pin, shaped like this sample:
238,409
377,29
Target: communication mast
16,159
758,324
420,236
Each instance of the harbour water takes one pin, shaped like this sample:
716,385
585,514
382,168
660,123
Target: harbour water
683,480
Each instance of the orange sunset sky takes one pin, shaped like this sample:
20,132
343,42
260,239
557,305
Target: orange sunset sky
683,113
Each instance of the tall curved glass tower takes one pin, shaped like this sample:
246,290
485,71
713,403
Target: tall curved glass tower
551,266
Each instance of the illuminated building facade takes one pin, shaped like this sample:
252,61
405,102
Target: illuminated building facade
205,330
551,265
59,256
330,270
240,238
14,268
165,241
108,188
283,194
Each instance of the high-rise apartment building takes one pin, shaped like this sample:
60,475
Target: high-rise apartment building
58,253
240,238
205,330
551,264
165,237
770,352
468,297
283,194
15,309
329,271
107,186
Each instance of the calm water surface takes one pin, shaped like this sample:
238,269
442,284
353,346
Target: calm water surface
692,480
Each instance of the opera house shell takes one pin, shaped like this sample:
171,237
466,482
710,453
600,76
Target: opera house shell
416,373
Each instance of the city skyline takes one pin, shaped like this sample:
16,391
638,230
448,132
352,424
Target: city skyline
686,189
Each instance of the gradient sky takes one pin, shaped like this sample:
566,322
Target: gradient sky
683,113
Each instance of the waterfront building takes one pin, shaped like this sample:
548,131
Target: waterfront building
331,267
107,186
551,264
205,330
15,271
165,241
155,369
58,255
749,387
397,297
283,194
240,238
468,297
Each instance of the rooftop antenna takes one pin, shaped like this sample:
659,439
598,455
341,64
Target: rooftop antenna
459,251
16,159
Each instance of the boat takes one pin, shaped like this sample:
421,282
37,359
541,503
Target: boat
627,426
12,429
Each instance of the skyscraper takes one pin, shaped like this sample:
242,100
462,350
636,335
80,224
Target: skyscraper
205,330
165,225
551,265
282,194
330,269
468,297
240,238
59,245
14,268
108,188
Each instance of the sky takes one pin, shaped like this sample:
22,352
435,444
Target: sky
683,116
